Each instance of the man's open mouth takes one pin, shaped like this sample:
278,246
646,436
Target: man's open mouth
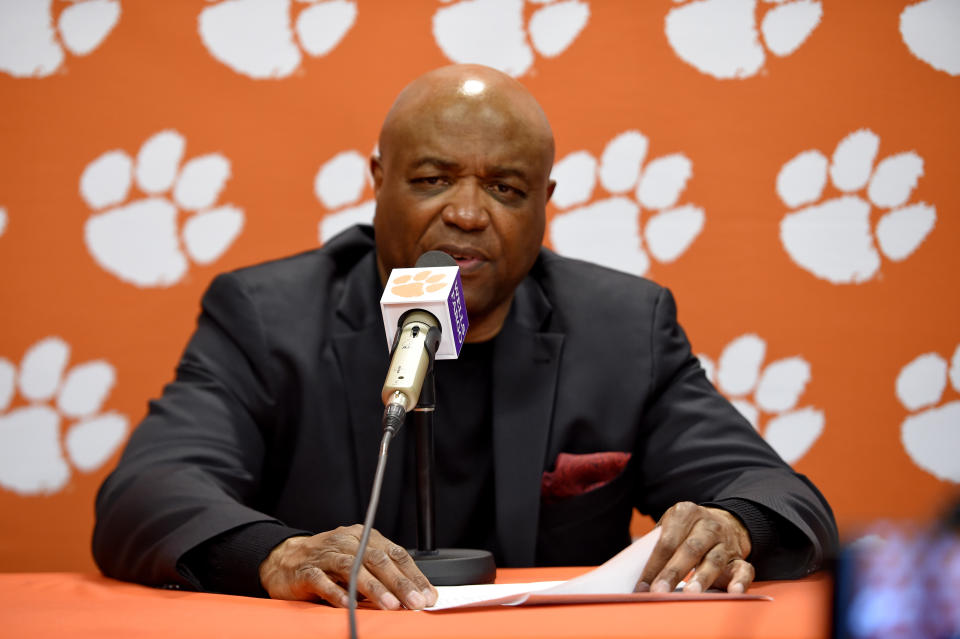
466,259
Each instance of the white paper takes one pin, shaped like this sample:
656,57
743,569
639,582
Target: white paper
614,580
619,575
488,594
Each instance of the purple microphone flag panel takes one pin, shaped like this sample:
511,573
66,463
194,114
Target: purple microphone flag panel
458,312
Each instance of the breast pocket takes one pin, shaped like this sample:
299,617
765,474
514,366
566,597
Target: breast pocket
586,529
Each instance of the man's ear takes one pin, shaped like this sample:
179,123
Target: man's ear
551,185
376,171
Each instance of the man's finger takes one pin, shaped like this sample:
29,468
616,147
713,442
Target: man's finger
704,535
410,580
340,563
675,525
737,576
709,569
371,587
381,566
316,582
402,559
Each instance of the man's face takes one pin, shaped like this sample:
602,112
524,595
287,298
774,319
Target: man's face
469,179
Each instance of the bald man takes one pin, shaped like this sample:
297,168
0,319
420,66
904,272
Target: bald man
575,399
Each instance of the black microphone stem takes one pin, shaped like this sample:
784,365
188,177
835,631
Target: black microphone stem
423,422
393,418
367,526
442,566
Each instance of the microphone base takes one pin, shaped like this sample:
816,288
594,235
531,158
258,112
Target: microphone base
456,566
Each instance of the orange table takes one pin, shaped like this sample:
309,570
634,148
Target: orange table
58,605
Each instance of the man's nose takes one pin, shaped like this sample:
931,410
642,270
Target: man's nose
465,209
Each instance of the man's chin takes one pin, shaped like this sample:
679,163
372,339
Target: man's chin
475,311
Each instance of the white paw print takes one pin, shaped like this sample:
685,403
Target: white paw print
494,32
834,239
720,38
35,458
140,241
931,30
340,184
931,433
608,231
775,390
30,44
260,38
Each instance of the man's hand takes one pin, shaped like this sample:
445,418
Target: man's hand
710,541
318,567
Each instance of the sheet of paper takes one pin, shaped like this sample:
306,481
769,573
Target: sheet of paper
614,580
488,594
619,574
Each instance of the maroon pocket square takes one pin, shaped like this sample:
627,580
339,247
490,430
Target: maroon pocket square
577,474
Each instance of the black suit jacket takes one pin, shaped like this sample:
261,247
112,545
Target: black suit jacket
274,416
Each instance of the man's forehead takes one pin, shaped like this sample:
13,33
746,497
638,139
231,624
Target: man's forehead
456,116
467,103
508,144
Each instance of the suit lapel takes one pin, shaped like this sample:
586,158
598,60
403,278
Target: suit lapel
363,359
525,365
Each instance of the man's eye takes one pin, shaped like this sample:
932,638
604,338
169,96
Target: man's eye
432,180
505,189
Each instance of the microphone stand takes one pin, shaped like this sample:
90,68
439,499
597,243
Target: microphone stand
444,566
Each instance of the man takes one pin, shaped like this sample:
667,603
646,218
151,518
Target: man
247,474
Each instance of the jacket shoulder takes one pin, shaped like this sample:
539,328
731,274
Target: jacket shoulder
310,268
589,285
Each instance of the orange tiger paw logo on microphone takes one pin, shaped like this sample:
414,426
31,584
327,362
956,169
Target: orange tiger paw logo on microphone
417,285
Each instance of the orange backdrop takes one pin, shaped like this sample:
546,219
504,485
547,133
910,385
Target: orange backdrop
788,168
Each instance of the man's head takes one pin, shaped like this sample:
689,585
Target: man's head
464,167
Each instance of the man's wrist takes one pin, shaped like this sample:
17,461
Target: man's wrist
272,564
761,531
230,562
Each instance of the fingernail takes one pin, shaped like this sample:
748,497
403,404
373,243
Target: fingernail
430,595
389,602
737,588
693,586
642,586
660,586
416,601
345,601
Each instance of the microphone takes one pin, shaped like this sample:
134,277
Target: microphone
424,318
423,314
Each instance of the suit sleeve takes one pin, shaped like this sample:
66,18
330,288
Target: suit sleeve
697,447
193,468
